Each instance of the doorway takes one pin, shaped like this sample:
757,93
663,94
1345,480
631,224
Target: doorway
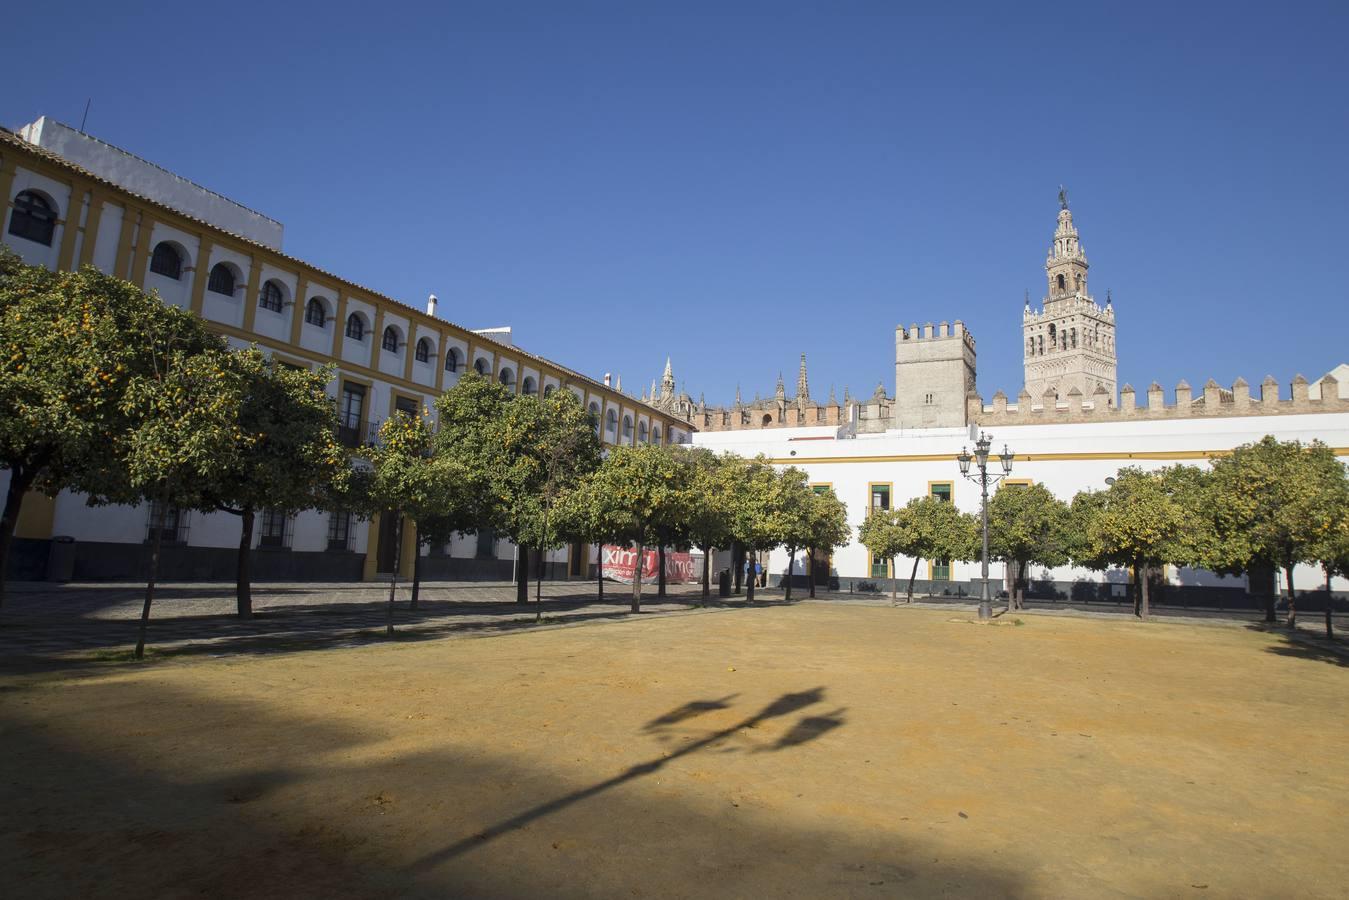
387,553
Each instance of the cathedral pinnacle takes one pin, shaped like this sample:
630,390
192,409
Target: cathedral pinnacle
802,386
781,391
667,381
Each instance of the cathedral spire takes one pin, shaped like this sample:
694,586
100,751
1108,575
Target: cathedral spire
667,381
738,402
833,400
802,386
781,391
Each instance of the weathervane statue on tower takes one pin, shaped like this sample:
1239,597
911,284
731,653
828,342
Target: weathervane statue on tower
1063,197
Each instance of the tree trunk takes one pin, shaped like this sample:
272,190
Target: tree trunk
750,575
894,581
707,574
599,569
791,567
1141,576
637,578
1330,605
1019,585
20,479
737,564
1291,622
243,587
521,574
912,575
538,588
660,570
154,572
397,558
416,564
810,570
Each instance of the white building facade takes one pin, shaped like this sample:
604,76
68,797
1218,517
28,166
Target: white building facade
71,200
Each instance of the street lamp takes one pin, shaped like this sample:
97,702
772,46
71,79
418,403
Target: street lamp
983,479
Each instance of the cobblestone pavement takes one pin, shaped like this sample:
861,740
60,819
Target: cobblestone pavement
64,623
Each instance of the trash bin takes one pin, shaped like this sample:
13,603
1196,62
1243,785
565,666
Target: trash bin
724,583
61,558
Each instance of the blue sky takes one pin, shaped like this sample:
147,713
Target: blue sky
732,184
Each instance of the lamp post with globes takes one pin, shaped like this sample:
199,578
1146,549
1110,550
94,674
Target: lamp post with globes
983,479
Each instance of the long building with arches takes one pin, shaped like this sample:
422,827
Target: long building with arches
71,200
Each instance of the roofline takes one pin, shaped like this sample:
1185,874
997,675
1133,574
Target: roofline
9,137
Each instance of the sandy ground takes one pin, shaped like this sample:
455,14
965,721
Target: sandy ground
807,751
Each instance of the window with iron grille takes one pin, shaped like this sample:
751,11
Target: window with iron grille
452,360
166,261
270,298
33,219
480,366
423,352
315,313
390,339
356,327
174,527
221,280
339,530
350,412
274,529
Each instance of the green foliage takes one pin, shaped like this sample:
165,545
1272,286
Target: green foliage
708,477
1027,525
829,526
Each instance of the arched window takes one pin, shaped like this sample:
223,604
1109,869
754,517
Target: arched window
641,432
655,434
221,280
315,313
627,428
166,261
767,419
34,218
1074,338
1061,282
1040,345
548,390
452,360
1053,337
529,387
356,327
507,376
594,410
1030,346
611,422
270,298
423,351
390,339
480,366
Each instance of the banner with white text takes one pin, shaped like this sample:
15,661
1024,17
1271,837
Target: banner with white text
618,565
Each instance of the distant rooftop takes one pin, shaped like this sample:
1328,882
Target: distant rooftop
149,180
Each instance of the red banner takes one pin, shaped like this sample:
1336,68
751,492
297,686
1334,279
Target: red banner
618,565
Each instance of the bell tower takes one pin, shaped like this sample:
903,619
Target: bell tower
1070,343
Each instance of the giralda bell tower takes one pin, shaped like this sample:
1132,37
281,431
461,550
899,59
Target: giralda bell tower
1070,344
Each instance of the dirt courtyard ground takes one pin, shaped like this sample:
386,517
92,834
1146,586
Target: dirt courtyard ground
806,751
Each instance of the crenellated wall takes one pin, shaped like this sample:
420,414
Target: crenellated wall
1212,401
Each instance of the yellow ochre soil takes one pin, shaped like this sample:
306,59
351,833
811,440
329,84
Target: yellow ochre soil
807,751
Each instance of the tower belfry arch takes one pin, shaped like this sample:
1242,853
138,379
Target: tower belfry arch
1069,344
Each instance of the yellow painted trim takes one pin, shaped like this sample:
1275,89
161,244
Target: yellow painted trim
145,235
251,292
121,264
297,308
339,328
377,341
91,225
408,346
202,273
70,229
875,484
1163,455
8,169
36,516
395,396
950,484
371,549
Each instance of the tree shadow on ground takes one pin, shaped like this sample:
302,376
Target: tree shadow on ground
269,804
1296,645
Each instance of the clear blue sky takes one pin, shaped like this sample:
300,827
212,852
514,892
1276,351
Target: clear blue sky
731,184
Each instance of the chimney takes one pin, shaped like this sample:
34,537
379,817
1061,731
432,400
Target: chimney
431,305
607,380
